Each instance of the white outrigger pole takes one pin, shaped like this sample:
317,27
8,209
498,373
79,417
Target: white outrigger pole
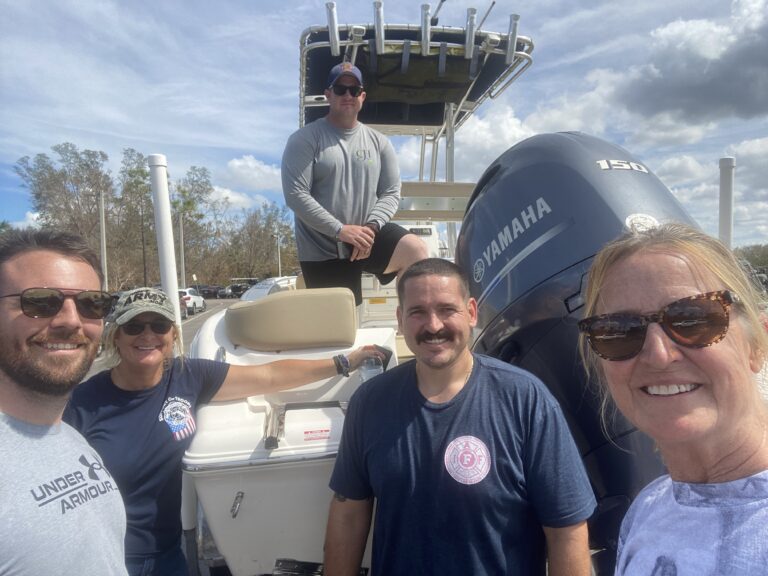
727,177
158,171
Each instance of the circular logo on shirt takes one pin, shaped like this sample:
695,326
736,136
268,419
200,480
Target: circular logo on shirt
467,460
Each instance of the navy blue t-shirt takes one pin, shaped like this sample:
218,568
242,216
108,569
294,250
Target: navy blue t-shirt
142,437
465,486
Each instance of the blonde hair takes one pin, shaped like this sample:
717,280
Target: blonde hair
110,353
701,251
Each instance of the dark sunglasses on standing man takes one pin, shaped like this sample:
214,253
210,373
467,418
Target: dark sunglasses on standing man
341,89
694,322
157,326
46,302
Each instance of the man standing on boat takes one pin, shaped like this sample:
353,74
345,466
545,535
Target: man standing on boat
469,459
60,509
342,182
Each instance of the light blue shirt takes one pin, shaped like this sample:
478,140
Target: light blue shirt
681,529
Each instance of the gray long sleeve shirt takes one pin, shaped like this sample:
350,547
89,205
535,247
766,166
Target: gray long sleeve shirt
333,177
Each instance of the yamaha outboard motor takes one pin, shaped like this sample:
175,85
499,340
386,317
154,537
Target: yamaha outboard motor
535,221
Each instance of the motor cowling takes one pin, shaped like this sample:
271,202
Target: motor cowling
536,219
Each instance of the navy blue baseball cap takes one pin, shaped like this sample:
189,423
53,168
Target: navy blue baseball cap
344,69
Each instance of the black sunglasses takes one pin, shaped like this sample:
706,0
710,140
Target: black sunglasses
694,322
47,302
157,326
341,89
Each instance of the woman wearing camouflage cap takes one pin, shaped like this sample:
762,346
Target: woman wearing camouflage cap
139,416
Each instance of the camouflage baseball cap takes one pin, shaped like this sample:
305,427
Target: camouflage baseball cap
141,300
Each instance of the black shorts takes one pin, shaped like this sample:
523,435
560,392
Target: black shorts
345,273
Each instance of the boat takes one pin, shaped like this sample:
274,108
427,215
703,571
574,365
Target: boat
258,469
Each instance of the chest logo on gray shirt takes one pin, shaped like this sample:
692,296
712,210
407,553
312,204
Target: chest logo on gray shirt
75,488
467,460
364,155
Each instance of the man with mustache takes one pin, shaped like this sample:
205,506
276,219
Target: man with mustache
470,460
60,510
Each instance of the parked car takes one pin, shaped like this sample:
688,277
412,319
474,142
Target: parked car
269,286
193,302
209,291
183,307
233,291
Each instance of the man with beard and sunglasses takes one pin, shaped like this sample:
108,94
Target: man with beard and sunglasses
341,179
469,459
673,333
60,509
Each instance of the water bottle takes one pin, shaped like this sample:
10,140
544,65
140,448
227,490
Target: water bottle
370,367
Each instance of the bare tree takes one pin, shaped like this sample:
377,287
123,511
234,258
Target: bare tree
134,225
254,247
66,193
218,244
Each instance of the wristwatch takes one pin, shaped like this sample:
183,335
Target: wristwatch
342,364
373,226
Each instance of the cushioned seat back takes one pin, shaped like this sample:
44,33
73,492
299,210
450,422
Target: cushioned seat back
317,318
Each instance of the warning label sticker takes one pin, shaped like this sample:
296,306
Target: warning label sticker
322,434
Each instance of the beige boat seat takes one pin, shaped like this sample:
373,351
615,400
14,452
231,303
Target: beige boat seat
294,320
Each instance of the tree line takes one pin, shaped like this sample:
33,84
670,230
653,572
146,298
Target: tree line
218,244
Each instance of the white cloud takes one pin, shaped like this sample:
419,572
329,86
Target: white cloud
669,129
483,139
749,15
680,170
253,174
479,142
590,111
238,200
701,202
751,178
757,148
704,70
31,219
408,155
702,38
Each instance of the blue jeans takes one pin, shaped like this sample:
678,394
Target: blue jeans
170,563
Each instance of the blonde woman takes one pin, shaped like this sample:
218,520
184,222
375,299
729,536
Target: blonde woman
139,416
674,334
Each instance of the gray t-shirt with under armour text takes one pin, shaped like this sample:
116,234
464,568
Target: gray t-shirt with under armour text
60,509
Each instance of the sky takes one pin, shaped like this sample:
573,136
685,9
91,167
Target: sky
678,83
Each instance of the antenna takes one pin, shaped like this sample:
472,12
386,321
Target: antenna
479,26
433,22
